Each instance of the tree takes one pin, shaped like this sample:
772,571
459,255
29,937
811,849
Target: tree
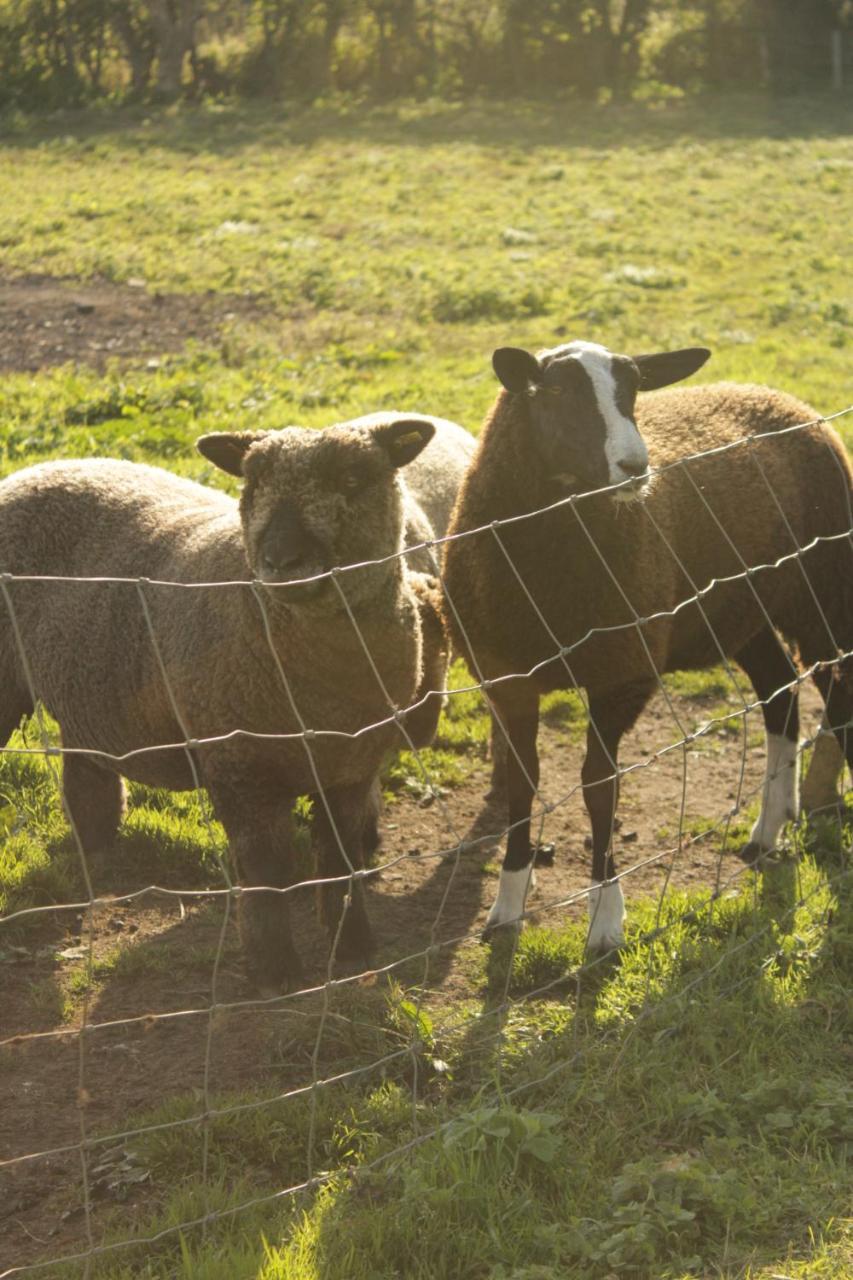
622,23
135,32
174,24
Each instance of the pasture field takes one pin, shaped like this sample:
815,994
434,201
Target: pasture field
499,1112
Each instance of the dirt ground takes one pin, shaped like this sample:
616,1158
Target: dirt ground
46,321
152,1036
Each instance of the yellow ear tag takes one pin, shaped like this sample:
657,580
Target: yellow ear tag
411,437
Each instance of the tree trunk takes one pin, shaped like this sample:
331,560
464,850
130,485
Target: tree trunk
174,30
622,44
332,22
384,86
139,48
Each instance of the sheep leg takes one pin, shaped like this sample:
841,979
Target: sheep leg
15,701
838,702
609,718
339,830
373,810
771,670
94,801
521,721
497,792
372,837
820,790
259,838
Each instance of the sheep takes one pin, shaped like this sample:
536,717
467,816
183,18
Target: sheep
273,653
644,561
429,485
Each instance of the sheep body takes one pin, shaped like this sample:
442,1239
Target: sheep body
578,595
256,659
133,520
609,596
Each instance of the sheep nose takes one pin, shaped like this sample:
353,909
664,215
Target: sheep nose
280,562
633,466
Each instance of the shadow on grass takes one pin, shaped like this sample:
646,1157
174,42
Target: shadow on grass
701,1117
696,1079
228,129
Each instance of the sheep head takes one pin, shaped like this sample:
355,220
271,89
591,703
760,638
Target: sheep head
581,410
316,500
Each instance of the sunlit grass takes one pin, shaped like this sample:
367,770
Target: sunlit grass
682,1112
383,240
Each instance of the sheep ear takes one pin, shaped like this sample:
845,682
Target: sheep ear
227,449
404,438
516,368
669,366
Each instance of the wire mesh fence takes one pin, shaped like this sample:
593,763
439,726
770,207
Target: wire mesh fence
460,838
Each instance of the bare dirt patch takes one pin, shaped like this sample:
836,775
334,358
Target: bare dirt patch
152,1033
48,321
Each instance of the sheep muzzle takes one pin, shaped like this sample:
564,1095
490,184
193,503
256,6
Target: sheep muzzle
288,554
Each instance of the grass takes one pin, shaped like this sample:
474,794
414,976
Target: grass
381,238
685,1112
680,1113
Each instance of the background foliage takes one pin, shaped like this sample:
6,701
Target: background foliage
66,52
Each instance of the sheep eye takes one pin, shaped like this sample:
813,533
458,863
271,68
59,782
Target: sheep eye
350,481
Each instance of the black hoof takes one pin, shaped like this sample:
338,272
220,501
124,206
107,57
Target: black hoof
543,855
269,985
753,854
351,965
355,948
505,929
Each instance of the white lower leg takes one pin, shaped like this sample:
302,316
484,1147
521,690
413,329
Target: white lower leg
512,895
821,788
606,916
780,799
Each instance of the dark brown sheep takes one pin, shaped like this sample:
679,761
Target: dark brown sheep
608,590
250,665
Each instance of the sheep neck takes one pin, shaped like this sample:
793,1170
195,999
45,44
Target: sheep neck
570,564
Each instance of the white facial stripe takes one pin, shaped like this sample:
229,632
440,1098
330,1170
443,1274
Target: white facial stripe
623,442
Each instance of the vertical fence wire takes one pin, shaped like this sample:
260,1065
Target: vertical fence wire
503,1003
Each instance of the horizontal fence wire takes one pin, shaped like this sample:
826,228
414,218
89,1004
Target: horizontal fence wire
455,844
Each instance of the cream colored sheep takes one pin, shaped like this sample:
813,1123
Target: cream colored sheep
248,663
